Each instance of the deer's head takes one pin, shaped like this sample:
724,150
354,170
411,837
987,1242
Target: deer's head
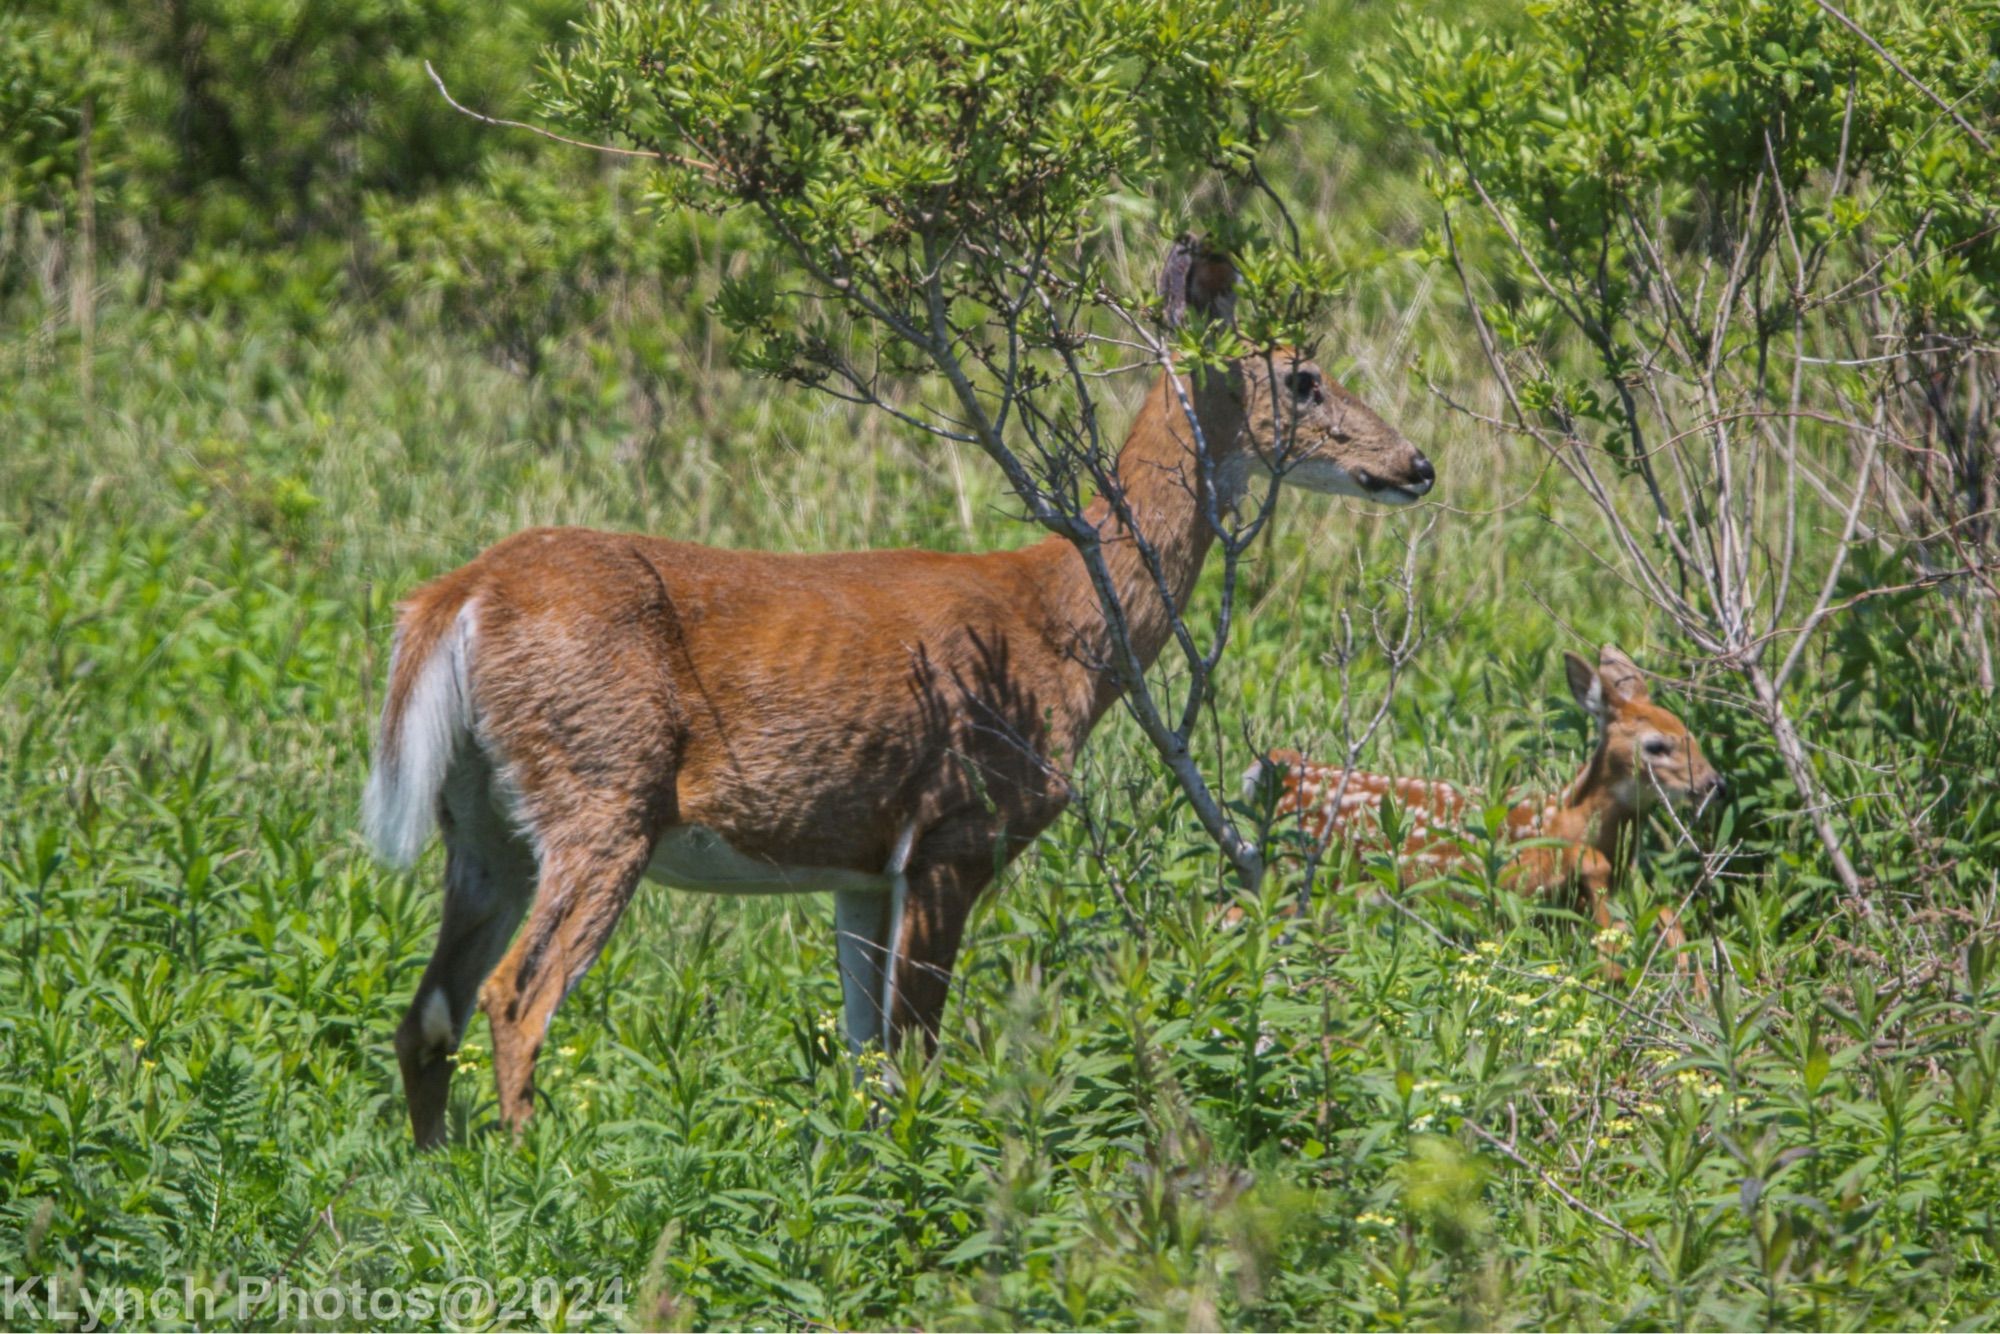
1309,430
1646,752
1289,415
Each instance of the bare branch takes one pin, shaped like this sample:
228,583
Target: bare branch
1912,79
463,110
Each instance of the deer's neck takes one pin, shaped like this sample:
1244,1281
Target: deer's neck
1593,812
1165,512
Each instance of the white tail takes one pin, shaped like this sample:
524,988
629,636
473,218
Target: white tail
890,726
418,736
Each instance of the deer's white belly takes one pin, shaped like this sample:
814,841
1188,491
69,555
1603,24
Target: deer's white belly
693,856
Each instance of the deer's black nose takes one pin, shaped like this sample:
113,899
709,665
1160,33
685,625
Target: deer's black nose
1424,472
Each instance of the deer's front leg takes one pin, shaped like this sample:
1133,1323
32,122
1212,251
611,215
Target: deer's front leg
861,928
1673,939
1594,878
1592,872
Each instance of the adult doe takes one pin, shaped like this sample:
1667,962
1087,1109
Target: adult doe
578,710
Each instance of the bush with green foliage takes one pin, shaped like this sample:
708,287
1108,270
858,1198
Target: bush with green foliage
253,122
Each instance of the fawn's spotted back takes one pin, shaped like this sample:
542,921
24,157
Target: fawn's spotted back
1324,797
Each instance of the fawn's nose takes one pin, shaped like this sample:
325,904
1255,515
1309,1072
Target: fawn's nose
1423,471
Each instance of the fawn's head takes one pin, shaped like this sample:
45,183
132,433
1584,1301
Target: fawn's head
1644,751
1290,416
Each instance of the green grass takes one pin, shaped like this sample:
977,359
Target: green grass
1433,1114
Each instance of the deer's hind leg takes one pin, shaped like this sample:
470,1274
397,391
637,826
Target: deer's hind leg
489,876
593,747
579,898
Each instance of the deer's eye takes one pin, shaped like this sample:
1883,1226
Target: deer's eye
1659,747
1303,384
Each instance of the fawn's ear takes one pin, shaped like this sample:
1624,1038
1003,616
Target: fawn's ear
1623,683
1197,277
1585,684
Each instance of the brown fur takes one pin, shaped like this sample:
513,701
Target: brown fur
808,708
1594,818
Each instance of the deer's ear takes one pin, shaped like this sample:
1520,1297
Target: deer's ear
1623,682
1197,277
1585,684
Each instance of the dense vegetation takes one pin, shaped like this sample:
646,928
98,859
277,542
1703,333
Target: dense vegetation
282,335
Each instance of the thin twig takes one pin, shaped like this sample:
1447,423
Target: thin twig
1554,1185
1914,81
694,163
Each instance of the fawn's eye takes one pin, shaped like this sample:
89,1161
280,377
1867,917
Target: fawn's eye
1659,747
1303,384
